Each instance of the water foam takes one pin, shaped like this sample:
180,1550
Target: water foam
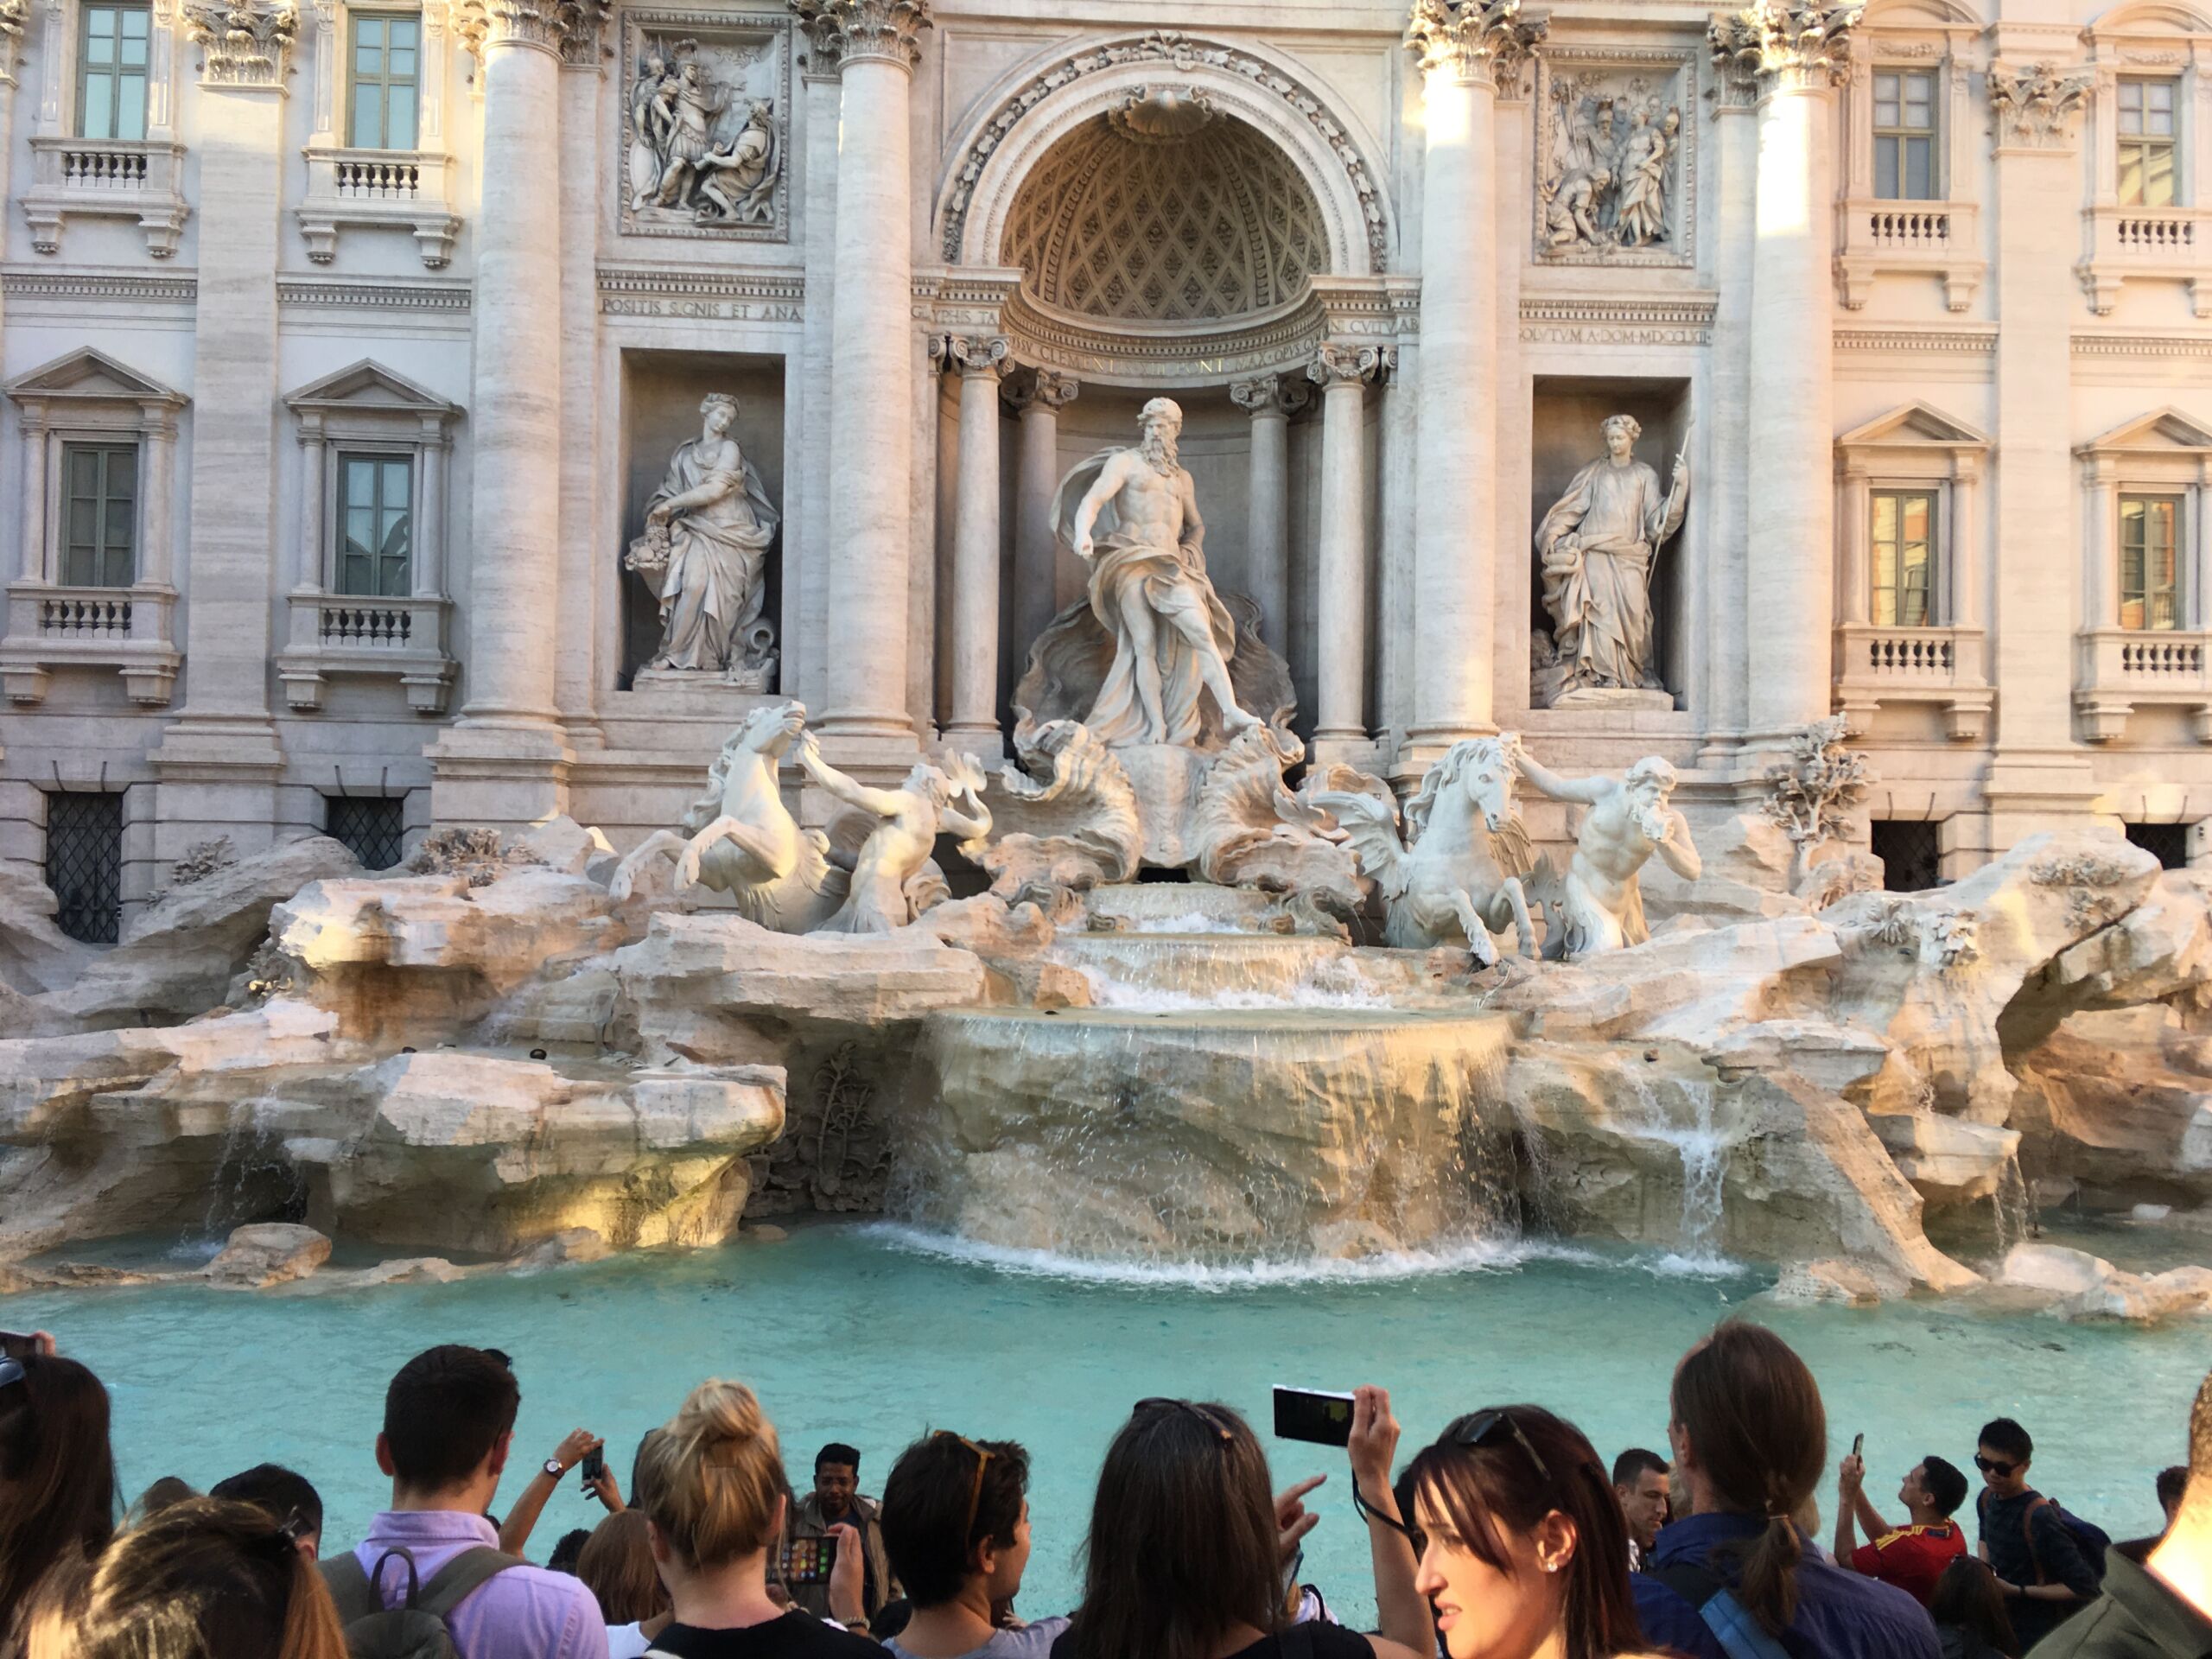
1462,1256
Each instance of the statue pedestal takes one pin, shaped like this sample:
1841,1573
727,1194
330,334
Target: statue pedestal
1613,696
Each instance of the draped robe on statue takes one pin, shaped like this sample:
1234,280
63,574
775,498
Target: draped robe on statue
713,589
1172,580
1601,605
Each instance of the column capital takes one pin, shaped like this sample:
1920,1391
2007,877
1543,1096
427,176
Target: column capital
568,28
1270,394
2036,108
1468,41
1041,388
973,355
1778,46
242,42
1336,364
882,31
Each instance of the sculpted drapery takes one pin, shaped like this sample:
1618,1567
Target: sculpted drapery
1597,545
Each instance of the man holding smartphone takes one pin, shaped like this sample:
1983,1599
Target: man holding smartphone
836,1501
1912,1556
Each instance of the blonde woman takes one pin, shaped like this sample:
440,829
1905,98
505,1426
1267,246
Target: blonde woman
715,1507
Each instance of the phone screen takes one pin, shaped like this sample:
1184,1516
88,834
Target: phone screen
1318,1416
592,1467
808,1560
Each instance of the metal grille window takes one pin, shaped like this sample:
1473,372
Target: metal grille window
100,514
111,44
1904,135
83,862
1903,523
2147,130
2169,841
386,50
2149,570
375,495
1910,849
370,827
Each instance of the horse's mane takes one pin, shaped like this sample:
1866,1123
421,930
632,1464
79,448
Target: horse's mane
1514,853
708,807
1439,778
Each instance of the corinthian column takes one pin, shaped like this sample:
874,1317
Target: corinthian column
1038,400
871,378
506,759
1270,400
1340,722
1466,49
974,725
1799,55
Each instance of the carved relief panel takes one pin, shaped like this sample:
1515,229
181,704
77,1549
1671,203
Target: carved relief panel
1616,158
705,124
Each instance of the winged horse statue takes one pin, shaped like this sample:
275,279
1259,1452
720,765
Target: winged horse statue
1459,870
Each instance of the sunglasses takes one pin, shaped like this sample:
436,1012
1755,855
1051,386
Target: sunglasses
983,1456
1477,1430
1211,1419
1996,1466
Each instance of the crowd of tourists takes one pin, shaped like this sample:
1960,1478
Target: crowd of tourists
1505,1537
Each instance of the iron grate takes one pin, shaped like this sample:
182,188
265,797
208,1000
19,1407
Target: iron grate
83,862
2169,841
371,827
1910,850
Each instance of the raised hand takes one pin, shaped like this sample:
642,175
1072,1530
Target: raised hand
1374,1443
1293,1519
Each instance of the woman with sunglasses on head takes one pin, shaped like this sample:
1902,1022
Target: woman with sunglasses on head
956,1526
57,1476
1517,1548
1189,1557
1737,1574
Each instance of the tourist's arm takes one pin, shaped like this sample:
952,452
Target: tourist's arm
514,1532
1846,1500
1588,791
1403,1611
2070,1575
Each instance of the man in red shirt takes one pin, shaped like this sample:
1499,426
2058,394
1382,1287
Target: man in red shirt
1913,1556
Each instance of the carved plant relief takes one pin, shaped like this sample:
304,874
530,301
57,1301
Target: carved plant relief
704,126
1614,163
2035,107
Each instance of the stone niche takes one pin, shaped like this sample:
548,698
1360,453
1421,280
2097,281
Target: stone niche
661,395
1566,435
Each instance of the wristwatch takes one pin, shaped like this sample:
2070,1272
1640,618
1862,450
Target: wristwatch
553,1468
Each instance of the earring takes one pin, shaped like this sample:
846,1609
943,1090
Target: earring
1552,1567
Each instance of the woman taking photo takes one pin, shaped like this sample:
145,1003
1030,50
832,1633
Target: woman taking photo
1518,1549
1190,1558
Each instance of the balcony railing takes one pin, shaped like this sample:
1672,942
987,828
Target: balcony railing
378,189
1907,238
401,637
85,617
106,178
129,629
2118,670
2138,243
1878,665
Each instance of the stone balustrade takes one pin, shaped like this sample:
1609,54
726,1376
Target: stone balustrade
1928,239
130,629
400,638
2118,670
2131,243
1944,666
370,189
97,178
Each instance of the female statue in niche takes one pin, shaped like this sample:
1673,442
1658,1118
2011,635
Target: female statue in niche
1596,548
705,552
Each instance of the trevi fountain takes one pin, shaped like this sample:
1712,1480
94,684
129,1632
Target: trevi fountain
1382,843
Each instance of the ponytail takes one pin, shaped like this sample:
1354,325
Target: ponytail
715,1473
1767,1589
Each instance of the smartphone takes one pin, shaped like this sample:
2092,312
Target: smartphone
1857,1442
1317,1416
593,1465
17,1345
808,1560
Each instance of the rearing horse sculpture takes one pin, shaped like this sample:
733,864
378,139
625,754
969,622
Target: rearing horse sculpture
1458,872
739,838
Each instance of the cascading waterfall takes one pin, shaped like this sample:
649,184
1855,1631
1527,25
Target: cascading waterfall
2013,1208
1702,1148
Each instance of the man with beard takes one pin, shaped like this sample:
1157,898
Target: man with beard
1598,906
1137,527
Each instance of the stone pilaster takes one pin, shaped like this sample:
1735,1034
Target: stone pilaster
506,759
871,378
1037,398
974,723
576,676
1735,185
219,762
1464,48
1270,400
808,478
1340,720
1797,55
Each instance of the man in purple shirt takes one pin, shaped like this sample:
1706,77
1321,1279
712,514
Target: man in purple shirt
448,1420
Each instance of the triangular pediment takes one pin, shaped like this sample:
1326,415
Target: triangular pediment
1915,425
2166,430
365,387
87,374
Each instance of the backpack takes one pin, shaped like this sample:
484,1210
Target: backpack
417,1628
2090,1538
1740,1635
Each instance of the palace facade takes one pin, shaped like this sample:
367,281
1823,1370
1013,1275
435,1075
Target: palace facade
348,348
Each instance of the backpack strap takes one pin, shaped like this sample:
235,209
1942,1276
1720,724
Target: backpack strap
2028,1528
350,1587
1740,1635
462,1577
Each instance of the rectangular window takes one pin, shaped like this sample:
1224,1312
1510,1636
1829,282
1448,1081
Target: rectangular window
2169,841
1904,135
1904,557
112,43
375,496
1910,850
2150,568
386,50
371,827
83,862
99,515
2147,131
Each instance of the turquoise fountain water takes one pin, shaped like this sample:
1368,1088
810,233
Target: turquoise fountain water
873,1333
